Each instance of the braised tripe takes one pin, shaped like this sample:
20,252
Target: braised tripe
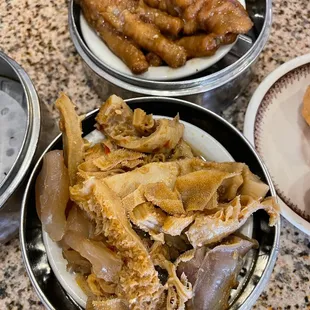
142,221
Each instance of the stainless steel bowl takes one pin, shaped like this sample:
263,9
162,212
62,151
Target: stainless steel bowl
259,263
16,84
214,88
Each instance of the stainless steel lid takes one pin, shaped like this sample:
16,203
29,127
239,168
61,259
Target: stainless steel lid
20,129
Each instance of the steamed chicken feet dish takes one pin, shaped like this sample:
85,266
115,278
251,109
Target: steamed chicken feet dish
143,222
170,31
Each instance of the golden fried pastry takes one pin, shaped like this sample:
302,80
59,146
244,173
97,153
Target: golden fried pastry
306,106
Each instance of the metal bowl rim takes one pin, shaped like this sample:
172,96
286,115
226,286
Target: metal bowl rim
31,137
250,300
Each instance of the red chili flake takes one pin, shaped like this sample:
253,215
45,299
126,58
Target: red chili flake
106,150
112,248
167,144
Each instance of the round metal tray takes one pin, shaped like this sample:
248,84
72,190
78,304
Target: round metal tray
15,83
258,265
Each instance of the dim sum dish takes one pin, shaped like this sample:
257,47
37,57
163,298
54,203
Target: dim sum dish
278,115
147,212
171,38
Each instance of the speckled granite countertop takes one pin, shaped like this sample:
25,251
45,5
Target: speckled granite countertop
35,33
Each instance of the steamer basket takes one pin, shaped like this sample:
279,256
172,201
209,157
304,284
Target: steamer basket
258,264
214,88
21,105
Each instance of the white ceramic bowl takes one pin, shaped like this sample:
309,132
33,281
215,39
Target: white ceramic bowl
208,147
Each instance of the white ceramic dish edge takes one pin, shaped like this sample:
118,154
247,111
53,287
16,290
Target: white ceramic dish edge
249,122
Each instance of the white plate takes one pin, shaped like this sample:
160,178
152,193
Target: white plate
274,125
162,73
208,147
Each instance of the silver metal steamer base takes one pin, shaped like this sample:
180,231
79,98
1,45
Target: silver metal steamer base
23,137
214,88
